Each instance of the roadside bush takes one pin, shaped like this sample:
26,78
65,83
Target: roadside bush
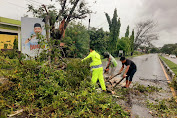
137,53
11,54
42,91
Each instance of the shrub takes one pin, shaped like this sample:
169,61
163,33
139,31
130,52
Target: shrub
48,92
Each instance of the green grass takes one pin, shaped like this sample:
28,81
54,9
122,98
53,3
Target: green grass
170,64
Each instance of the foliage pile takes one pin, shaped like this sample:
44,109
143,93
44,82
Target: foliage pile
137,89
52,92
144,89
164,108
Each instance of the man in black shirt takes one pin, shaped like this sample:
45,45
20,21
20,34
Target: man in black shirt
130,70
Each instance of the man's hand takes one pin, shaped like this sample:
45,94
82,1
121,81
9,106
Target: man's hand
107,69
119,73
124,76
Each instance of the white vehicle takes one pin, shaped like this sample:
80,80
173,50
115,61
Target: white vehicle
172,56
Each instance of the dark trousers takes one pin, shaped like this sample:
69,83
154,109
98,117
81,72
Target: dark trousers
130,74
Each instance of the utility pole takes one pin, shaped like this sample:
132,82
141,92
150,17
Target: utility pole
89,21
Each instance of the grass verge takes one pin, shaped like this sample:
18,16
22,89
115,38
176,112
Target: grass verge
170,64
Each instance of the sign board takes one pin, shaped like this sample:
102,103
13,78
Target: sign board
120,51
31,28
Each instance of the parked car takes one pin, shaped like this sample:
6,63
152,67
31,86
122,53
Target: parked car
172,56
167,54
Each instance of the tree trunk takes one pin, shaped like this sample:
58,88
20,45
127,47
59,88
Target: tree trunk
47,26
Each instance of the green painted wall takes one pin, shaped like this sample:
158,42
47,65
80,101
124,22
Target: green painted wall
10,21
2,26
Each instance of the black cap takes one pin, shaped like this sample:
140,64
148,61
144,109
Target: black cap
37,25
122,58
92,47
106,55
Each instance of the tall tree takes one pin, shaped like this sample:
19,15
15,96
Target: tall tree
99,39
114,28
127,32
132,42
76,40
69,10
145,33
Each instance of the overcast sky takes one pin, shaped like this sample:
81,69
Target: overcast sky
164,12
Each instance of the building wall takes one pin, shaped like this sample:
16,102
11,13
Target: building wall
9,30
6,41
3,26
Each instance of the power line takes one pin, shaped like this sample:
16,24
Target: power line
33,1
30,2
101,24
16,5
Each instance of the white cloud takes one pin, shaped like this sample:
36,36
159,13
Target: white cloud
130,12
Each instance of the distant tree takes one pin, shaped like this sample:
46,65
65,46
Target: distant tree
15,46
123,44
154,50
148,47
168,48
132,42
145,33
114,28
127,32
175,52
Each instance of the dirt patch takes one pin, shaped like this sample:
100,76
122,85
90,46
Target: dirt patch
3,80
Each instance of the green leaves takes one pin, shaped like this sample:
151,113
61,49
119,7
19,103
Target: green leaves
77,40
99,39
49,92
114,28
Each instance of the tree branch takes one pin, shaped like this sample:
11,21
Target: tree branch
70,14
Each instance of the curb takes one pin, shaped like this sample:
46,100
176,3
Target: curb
169,71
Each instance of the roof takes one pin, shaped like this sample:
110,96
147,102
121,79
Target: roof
10,21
